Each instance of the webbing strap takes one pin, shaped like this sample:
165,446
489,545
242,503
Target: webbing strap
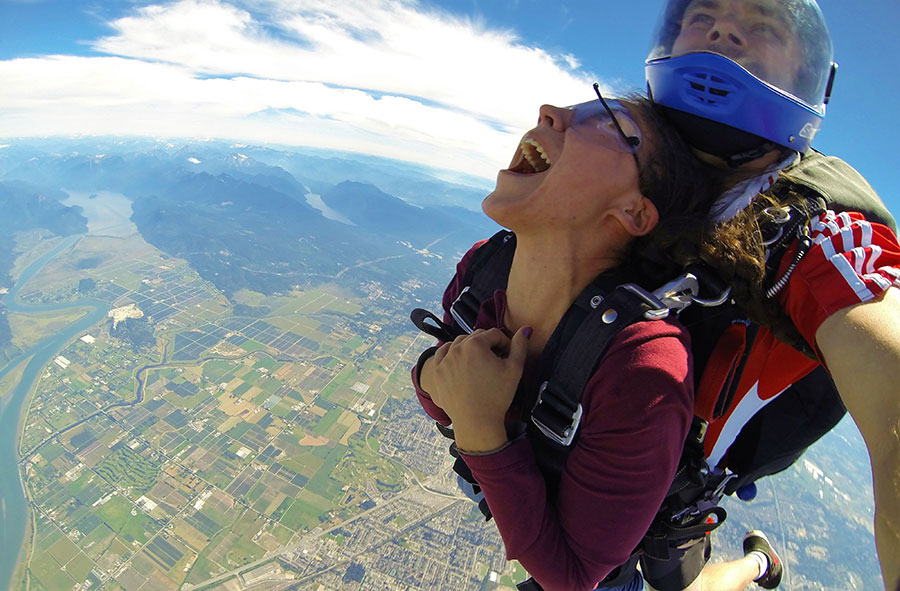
557,412
529,584
432,325
487,272
657,541
578,360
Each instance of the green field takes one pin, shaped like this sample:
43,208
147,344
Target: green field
304,513
30,329
345,379
215,370
50,574
268,363
115,512
327,421
252,345
322,483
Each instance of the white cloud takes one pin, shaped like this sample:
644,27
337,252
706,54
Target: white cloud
386,77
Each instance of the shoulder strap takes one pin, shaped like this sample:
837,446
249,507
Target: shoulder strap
597,315
488,271
557,410
839,184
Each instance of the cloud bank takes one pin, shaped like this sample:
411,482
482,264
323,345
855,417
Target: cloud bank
394,78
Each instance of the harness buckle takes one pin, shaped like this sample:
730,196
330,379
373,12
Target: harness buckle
708,499
563,434
720,489
658,309
775,217
472,306
713,302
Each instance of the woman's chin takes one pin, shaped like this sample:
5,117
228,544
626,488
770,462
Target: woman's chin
488,205
511,197
502,209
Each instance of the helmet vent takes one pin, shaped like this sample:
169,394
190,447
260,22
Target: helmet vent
708,89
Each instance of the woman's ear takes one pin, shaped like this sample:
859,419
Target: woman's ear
638,217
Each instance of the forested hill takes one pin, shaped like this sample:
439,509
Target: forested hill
251,217
241,234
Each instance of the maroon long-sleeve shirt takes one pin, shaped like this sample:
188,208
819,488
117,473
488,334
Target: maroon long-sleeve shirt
637,410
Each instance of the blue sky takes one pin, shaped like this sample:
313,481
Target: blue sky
451,84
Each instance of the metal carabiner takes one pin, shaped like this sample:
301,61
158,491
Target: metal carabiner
678,293
712,303
778,216
658,309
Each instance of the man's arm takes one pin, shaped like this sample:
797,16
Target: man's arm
861,348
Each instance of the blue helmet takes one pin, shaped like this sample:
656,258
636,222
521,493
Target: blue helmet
742,77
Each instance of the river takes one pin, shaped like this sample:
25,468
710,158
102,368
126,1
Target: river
13,505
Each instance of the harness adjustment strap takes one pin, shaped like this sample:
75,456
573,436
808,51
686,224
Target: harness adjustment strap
557,411
555,416
657,541
432,325
445,431
482,504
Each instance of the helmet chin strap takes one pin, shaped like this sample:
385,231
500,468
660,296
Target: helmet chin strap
734,146
739,159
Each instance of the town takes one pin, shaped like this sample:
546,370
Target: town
239,452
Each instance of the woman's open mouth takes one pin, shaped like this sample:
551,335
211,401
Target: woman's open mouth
532,159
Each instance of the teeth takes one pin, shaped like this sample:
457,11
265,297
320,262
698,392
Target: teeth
534,154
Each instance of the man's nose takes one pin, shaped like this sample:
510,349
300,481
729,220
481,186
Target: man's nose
726,33
556,117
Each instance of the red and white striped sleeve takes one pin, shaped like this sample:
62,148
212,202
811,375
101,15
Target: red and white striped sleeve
852,260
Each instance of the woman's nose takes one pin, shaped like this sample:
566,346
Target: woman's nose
556,117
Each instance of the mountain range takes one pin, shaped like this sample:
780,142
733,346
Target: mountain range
246,217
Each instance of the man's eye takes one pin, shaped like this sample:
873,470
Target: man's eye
699,18
767,30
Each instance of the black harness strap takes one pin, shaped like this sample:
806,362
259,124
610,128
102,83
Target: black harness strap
557,410
432,325
568,363
487,272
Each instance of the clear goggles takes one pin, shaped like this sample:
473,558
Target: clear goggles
607,122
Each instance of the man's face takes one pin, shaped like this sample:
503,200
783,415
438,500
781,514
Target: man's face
757,34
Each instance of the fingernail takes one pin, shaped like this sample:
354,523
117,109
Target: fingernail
527,332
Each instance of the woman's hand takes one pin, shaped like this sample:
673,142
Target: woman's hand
474,379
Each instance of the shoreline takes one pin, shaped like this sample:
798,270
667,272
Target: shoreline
19,513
